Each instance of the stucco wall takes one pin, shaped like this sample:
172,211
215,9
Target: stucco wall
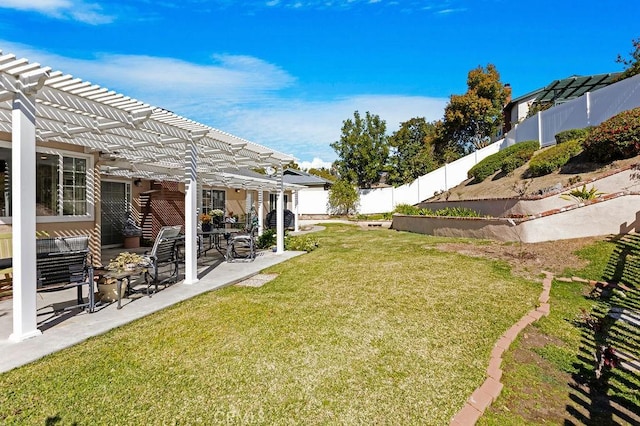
619,214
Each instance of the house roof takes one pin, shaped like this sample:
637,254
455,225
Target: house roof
134,139
299,177
560,91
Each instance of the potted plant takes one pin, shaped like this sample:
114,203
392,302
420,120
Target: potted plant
205,221
131,233
217,217
108,285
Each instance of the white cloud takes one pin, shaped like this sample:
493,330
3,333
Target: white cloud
306,129
78,10
316,163
238,94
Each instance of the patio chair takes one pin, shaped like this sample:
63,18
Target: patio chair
242,246
163,254
65,262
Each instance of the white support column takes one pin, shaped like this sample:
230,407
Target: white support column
247,207
260,211
280,213
294,195
23,197
191,212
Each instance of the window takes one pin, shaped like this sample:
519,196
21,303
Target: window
273,203
61,184
212,199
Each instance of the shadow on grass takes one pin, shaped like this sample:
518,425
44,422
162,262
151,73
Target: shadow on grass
607,378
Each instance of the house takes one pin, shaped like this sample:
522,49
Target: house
314,194
77,158
557,92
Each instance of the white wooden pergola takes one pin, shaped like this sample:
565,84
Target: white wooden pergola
134,139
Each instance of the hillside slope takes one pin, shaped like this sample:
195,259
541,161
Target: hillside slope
518,184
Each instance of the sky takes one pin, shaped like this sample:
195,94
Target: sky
287,73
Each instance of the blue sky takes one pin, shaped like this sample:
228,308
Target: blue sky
286,73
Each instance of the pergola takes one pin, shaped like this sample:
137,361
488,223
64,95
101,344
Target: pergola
134,140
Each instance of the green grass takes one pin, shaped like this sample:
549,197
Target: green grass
373,327
537,391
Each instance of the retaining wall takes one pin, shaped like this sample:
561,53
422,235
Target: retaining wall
617,213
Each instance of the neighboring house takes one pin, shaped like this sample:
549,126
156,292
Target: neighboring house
557,92
312,199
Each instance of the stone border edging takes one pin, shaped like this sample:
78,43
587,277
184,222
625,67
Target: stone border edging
489,391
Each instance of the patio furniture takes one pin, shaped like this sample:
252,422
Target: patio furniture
65,262
6,269
164,254
126,278
242,246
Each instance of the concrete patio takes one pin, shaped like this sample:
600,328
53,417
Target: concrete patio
66,328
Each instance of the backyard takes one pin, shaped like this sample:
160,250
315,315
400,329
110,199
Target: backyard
373,327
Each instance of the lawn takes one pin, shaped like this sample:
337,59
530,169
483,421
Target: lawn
373,327
550,372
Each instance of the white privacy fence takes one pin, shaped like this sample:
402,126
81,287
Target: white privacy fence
382,200
588,110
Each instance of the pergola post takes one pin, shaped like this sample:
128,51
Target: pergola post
23,198
294,195
260,211
280,212
191,212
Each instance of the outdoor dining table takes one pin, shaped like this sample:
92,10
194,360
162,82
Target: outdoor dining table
124,278
214,239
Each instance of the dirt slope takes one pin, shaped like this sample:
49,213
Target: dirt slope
519,184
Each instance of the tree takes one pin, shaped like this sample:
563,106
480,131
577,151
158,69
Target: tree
323,173
343,198
470,120
363,149
633,64
412,151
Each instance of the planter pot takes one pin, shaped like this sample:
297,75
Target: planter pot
131,242
108,289
206,227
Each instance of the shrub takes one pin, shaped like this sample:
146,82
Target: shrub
519,158
568,135
555,157
494,162
407,209
616,138
301,243
457,212
267,239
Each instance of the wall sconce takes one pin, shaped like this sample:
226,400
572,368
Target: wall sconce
237,190
137,182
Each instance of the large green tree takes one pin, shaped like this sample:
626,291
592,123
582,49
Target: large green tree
362,150
470,120
323,173
412,151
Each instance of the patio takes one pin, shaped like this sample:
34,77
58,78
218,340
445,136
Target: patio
67,328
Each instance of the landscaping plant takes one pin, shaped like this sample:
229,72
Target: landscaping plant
616,138
509,158
553,158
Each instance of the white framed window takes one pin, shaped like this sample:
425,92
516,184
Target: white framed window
64,185
213,199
